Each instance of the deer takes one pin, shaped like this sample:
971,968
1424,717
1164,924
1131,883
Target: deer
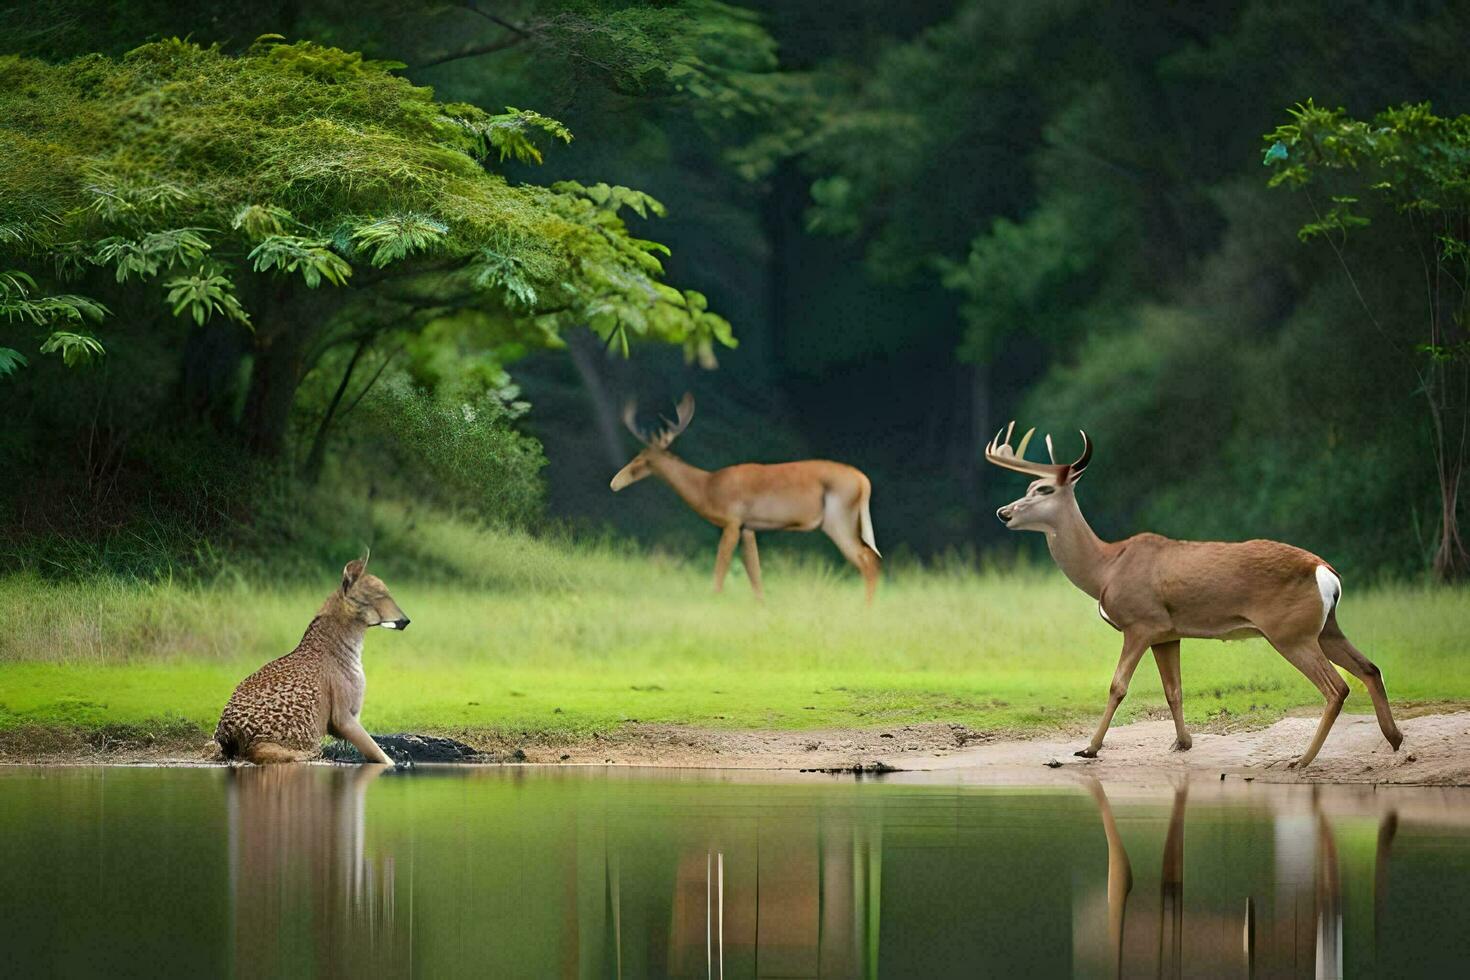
749,497
1157,591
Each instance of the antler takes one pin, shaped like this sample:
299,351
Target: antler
630,416
1000,453
683,412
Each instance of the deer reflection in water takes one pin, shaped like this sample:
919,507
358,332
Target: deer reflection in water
789,898
304,889
1307,878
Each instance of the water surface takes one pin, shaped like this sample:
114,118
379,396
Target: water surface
520,872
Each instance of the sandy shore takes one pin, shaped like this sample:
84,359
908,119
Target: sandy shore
1436,752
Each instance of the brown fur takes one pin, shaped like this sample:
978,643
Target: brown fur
1157,591
750,497
281,712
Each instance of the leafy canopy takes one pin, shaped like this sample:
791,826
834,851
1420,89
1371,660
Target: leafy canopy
1405,158
200,175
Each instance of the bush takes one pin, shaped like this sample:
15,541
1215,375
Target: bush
456,447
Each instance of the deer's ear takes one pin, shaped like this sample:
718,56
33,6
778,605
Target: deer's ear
351,572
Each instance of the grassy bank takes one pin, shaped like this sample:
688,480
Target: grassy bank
517,635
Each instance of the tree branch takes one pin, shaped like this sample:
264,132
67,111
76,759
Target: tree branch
474,51
475,8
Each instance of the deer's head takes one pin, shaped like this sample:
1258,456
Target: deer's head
365,600
1050,496
653,445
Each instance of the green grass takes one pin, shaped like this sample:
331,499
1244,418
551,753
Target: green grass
516,635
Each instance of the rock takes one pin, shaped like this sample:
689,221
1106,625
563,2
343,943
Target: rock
408,748
857,769
1053,763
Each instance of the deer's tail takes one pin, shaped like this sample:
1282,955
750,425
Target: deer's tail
865,520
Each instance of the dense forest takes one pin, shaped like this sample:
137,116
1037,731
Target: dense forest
261,264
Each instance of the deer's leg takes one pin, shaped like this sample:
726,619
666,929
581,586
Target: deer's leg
869,564
1307,657
1166,656
1120,873
1341,652
728,537
351,729
844,535
752,559
1134,646
1171,888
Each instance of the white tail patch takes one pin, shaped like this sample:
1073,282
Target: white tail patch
388,624
1331,588
865,528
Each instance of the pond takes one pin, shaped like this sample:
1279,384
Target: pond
525,872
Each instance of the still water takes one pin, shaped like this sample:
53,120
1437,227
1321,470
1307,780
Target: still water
495,872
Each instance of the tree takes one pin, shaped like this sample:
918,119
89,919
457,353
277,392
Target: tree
312,198
1412,165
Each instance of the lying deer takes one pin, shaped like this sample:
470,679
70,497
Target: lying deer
1155,591
751,497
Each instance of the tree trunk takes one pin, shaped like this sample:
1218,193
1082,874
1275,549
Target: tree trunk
274,377
586,351
209,367
1451,560
319,443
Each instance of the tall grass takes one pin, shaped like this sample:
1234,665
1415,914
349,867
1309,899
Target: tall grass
537,633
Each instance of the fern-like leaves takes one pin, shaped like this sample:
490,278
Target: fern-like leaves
11,359
202,295
513,133
398,236
146,256
75,349
312,257
18,304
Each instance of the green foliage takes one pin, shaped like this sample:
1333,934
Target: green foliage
203,295
511,134
1418,164
10,360
156,251
75,348
1406,157
312,257
397,236
18,303
305,155
456,446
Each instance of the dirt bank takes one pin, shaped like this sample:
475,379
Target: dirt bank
1436,751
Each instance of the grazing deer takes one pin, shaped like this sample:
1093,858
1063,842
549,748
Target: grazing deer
1156,591
280,712
751,497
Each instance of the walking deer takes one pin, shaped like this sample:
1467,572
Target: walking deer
751,497
1157,591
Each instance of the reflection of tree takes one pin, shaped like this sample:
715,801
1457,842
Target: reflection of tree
303,889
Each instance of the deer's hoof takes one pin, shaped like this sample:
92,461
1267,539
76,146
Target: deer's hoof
1183,744
1087,753
1295,763
1396,739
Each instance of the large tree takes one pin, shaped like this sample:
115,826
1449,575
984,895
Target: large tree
310,197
